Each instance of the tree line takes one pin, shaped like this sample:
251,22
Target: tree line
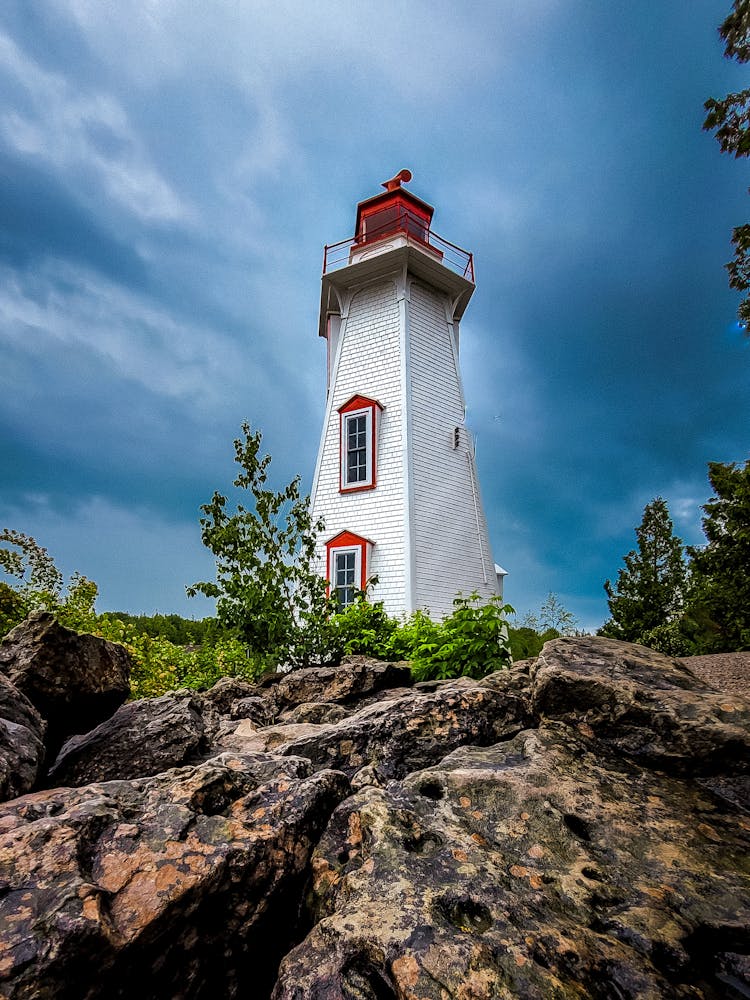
695,599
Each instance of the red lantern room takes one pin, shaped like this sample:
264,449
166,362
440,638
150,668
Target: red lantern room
395,211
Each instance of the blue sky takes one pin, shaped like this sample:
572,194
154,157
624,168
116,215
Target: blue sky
172,170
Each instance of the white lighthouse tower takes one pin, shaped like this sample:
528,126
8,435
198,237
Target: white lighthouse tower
396,480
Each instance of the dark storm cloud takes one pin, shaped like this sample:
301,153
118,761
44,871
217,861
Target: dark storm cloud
40,219
169,176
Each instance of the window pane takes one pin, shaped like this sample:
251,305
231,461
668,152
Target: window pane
356,449
345,566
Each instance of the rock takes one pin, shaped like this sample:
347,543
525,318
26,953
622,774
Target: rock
142,738
258,710
226,691
21,742
398,735
181,885
642,703
356,678
575,827
530,869
317,712
74,681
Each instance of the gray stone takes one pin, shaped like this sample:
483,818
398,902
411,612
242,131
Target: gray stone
21,742
74,681
142,738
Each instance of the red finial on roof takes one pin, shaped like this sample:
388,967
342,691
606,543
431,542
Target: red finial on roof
402,177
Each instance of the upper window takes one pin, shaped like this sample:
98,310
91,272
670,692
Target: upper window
359,429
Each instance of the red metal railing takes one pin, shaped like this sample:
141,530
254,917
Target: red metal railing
337,255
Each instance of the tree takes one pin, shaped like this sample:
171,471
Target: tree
39,586
651,588
267,590
730,120
720,592
553,616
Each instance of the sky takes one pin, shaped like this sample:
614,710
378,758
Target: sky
170,173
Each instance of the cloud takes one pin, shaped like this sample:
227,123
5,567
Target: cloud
86,135
155,557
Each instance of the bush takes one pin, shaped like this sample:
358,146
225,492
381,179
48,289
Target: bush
161,666
472,642
526,642
362,628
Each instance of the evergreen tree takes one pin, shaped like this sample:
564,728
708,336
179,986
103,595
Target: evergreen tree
651,588
730,120
720,592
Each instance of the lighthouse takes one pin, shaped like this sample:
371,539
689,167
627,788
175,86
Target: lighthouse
396,481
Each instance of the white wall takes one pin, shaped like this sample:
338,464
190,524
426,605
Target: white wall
451,546
369,363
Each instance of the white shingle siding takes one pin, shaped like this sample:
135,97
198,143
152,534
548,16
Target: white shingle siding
402,355
369,364
451,547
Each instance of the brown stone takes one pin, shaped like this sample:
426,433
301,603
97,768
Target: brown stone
142,738
173,886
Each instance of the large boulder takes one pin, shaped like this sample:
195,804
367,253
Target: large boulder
530,869
74,681
22,732
397,735
357,677
642,703
142,738
181,885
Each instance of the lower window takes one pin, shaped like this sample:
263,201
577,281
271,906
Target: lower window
347,558
345,576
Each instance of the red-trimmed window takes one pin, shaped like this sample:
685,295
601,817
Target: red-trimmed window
360,419
347,558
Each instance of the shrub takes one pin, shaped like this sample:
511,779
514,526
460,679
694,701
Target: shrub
472,642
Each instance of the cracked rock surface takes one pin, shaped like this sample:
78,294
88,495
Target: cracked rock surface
575,827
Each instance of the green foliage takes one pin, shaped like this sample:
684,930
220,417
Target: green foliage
527,642
40,586
651,588
729,119
267,590
12,608
529,634
472,642
552,617
672,638
161,666
719,606
178,630
411,635
362,628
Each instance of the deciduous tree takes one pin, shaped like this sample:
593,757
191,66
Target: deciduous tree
267,588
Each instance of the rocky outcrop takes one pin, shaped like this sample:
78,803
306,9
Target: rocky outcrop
74,681
357,678
171,886
142,738
577,826
532,868
397,735
642,704
22,732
